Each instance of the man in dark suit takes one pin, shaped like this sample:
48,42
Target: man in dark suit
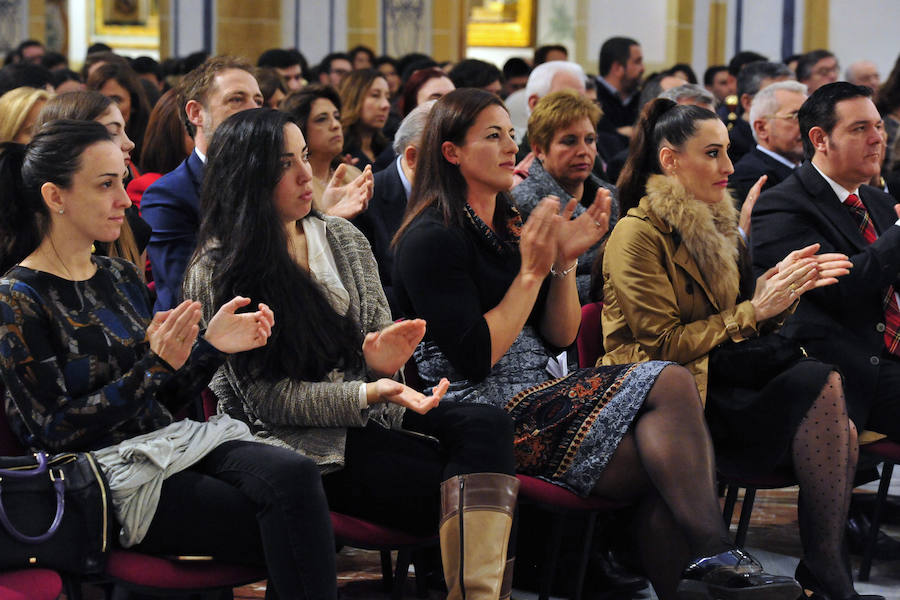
209,94
393,185
621,67
852,323
779,149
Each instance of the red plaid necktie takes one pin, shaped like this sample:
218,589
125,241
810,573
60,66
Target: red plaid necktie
891,308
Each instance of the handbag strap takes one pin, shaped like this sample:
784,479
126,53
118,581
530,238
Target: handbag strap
39,469
59,485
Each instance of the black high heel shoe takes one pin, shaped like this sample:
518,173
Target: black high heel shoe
733,575
813,590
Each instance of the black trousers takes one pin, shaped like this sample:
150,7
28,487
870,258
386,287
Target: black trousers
393,477
251,503
884,416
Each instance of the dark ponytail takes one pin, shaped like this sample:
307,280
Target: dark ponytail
660,120
54,155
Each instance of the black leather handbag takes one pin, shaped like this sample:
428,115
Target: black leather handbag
754,362
55,512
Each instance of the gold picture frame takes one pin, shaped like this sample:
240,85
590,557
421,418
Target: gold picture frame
126,18
505,23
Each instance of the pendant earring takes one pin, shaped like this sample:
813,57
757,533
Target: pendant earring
61,211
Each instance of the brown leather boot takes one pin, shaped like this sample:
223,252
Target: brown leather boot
476,518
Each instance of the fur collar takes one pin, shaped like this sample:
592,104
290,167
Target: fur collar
708,231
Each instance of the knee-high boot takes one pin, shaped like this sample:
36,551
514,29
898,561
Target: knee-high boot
476,518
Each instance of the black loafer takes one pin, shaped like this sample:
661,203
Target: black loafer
733,575
812,589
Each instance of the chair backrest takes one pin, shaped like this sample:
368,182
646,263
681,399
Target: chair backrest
590,335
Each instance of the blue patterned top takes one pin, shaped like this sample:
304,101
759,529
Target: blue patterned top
76,362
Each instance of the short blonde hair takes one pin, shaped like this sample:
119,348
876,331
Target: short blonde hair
555,111
14,108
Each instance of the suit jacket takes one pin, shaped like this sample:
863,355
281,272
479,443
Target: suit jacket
742,142
843,323
751,167
172,208
380,222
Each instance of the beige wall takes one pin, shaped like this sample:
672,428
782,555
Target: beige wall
247,28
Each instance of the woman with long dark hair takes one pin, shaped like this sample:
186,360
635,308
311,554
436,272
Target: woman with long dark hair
676,287
339,189
118,82
87,367
324,384
500,300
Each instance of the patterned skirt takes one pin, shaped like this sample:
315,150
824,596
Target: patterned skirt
567,429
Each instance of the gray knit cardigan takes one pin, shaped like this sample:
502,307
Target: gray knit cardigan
311,417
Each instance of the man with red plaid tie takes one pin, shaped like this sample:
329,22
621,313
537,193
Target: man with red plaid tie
854,323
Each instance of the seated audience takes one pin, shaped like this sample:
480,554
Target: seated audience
515,76
19,109
549,52
682,71
391,191
30,52
779,148
120,84
854,323
287,65
333,68
339,189
621,67
323,385
474,73
387,66
564,142
720,82
500,300
271,85
675,289
690,93
148,69
752,77
863,72
65,80
216,89
166,145
545,79
817,68
366,104
55,61
77,337
887,100
94,106
424,85
361,57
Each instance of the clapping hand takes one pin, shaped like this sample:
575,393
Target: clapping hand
796,274
388,390
387,350
350,199
537,243
749,203
171,333
231,332
576,236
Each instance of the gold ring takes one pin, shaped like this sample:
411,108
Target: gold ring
180,340
793,288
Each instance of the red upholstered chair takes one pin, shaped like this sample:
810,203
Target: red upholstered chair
358,533
30,584
889,452
590,335
561,504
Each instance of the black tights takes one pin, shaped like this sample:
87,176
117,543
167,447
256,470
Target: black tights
825,452
251,503
666,462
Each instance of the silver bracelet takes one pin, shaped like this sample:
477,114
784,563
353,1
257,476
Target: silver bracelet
561,274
